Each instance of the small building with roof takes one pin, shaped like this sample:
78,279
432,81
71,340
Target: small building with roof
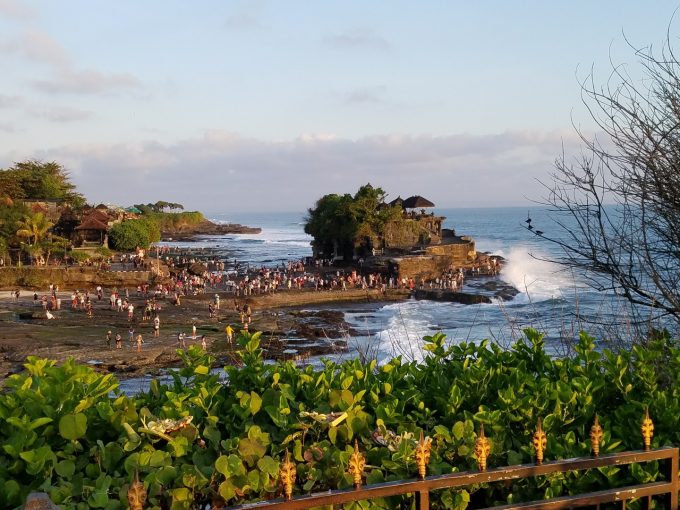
92,230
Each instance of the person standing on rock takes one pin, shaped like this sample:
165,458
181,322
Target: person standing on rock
119,341
140,341
156,326
108,339
230,333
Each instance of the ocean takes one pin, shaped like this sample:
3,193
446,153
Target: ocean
551,299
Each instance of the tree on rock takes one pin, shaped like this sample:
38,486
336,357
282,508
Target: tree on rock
344,224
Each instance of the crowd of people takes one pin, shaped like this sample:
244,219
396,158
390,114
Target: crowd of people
144,304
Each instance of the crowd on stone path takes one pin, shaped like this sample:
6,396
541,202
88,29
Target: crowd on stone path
292,276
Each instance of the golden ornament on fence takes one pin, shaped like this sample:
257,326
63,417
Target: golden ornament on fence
482,449
596,437
287,474
540,441
647,429
136,494
357,462
423,454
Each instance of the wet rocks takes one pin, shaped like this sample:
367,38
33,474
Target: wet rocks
449,295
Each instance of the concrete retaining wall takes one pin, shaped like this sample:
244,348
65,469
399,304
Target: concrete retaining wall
438,258
71,278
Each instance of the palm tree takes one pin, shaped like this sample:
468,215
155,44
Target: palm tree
34,227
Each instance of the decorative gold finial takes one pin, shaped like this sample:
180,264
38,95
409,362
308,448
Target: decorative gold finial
596,437
482,449
356,465
136,494
540,441
423,454
287,474
647,430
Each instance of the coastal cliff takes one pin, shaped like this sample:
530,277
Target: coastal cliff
186,231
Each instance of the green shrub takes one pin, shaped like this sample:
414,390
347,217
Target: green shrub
78,256
131,234
173,221
68,431
104,251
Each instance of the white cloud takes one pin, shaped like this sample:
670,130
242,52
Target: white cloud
61,114
245,17
366,95
225,172
15,10
10,101
39,47
358,38
86,82
36,46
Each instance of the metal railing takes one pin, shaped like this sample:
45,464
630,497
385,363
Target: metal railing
421,489
664,492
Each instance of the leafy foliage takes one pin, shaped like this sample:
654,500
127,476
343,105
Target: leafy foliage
174,221
131,234
34,179
340,224
68,431
158,207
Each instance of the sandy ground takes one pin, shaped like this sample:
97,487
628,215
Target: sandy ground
73,334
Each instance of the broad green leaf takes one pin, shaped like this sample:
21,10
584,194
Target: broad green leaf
201,370
268,465
73,426
65,468
458,430
39,422
255,403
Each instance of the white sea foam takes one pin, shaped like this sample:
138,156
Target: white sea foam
535,278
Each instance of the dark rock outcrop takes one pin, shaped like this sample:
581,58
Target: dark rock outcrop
449,295
187,232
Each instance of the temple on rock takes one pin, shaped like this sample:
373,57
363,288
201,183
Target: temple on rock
417,245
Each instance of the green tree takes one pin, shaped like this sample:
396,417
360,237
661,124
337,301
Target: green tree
35,179
340,224
34,227
331,225
132,234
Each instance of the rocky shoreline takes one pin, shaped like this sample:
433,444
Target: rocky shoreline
288,330
188,232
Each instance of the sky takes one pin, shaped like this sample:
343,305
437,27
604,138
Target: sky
230,106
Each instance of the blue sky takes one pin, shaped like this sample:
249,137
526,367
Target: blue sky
267,105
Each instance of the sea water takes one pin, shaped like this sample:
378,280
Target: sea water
551,299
